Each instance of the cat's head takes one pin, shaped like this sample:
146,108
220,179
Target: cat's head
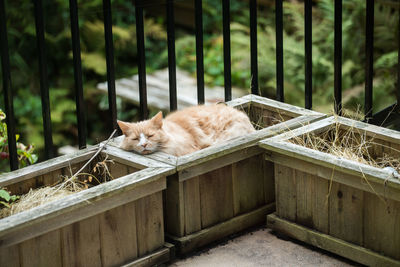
144,137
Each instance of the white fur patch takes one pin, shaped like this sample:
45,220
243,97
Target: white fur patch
142,140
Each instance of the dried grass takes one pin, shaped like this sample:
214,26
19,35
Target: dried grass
353,144
99,173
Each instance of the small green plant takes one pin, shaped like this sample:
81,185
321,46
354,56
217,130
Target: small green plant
6,199
25,153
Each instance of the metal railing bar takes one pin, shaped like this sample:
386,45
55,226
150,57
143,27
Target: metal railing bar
253,47
143,109
308,52
7,89
44,83
76,51
227,49
199,51
369,62
279,50
338,58
108,38
398,65
171,55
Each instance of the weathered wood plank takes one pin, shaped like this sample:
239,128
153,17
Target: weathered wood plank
346,213
43,250
191,198
149,223
346,171
205,236
285,184
247,180
329,243
84,204
156,258
381,225
269,181
174,206
118,170
81,243
320,207
304,199
45,167
216,196
214,163
118,235
9,256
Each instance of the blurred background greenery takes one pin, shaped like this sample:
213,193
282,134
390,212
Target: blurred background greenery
24,61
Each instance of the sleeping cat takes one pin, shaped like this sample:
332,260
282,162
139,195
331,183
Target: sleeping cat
185,131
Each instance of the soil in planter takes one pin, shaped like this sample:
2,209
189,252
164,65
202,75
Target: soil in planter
353,144
99,172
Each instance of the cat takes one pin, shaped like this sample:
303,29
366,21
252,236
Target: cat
185,131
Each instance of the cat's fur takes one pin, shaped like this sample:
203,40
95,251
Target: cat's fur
185,131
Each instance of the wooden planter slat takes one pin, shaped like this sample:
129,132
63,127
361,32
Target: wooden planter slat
225,188
353,209
110,224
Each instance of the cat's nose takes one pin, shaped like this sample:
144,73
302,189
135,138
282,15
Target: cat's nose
144,145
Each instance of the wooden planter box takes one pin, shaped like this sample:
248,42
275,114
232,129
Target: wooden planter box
345,207
114,223
226,188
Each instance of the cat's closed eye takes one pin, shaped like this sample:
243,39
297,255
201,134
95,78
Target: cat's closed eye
135,138
150,135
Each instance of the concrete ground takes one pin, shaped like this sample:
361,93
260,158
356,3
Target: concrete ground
261,247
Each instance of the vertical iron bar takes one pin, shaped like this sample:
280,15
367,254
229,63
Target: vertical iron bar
253,47
227,48
108,37
338,58
44,84
76,51
141,60
308,52
199,51
398,66
7,89
171,55
279,50
369,67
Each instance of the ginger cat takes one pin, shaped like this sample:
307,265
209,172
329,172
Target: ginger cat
185,131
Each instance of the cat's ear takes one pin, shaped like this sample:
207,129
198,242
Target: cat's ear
157,120
124,127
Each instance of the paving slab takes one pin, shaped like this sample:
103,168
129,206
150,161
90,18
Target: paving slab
262,247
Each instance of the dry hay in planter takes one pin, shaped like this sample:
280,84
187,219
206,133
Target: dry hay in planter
353,144
99,173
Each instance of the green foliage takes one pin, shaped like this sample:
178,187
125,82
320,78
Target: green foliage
6,199
25,153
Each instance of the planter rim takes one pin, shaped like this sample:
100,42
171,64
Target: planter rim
79,200
82,155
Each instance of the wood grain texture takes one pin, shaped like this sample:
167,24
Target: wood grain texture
346,213
191,198
174,207
43,250
381,225
320,206
118,235
210,234
81,243
118,170
285,183
216,196
269,181
149,223
9,256
329,243
248,180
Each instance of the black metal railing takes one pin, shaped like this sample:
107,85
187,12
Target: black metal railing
386,114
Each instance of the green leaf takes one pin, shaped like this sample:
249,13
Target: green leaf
4,195
5,204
